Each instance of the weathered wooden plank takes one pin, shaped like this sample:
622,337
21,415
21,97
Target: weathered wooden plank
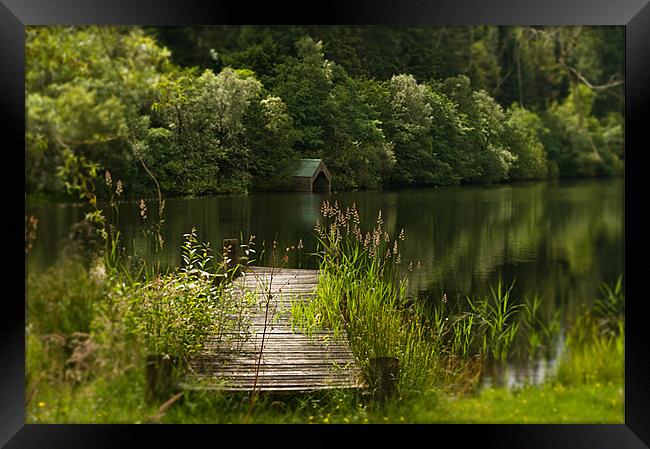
242,378
294,387
266,282
300,271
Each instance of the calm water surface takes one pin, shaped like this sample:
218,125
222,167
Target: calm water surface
558,239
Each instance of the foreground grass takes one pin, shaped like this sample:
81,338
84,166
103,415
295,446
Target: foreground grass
121,401
546,404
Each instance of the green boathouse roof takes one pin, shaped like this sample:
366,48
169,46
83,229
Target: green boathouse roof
305,168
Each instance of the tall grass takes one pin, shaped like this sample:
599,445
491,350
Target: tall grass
362,297
595,345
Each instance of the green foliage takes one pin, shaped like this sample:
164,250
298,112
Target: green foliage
83,87
359,154
498,319
409,128
583,144
532,404
201,146
171,315
64,298
489,328
540,332
246,101
486,155
523,132
609,309
270,137
304,84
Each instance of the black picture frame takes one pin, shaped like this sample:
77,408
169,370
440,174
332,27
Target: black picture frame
633,14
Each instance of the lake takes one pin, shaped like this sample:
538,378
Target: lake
559,239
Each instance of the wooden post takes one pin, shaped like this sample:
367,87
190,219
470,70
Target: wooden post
384,374
159,376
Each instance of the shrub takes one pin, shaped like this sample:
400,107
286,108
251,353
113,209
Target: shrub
173,314
170,314
64,298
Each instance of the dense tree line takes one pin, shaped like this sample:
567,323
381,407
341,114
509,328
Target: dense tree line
227,109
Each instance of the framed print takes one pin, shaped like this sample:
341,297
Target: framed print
419,215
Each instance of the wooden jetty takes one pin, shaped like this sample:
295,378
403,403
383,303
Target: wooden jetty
267,355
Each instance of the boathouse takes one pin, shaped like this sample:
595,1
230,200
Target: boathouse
311,175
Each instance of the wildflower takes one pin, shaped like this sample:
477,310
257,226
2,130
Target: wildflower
395,248
444,297
285,259
300,245
31,225
108,179
355,214
143,209
41,404
401,234
98,272
119,188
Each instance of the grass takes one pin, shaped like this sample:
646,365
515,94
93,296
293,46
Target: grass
121,401
592,356
65,298
549,403
361,297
